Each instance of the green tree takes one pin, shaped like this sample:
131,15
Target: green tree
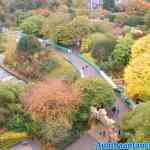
33,25
52,22
102,46
138,122
121,54
109,4
95,91
29,44
9,101
69,34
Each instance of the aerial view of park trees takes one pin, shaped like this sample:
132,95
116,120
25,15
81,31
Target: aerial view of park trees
53,102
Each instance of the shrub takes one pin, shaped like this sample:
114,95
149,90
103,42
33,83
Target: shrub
109,5
102,46
64,35
10,49
64,69
147,19
12,115
85,45
134,20
51,24
111,17
121,54
137,77
9,139
29,44
33,25
140,46
131,123
121,19
103,26
21,16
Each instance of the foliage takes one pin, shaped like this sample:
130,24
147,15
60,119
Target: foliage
54,131
64,35
95,91
103,26
134,20
50,100
135,7
102,46
51,23
121,18
109,4
138,120
29,44
111,17
89,57
147,19
91,94
33,25
140,46
54,104
64,70
137,77
85,45
9,139
81,25
121,54
21,16
10,48
69,34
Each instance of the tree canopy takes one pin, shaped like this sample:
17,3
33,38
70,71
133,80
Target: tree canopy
137,76
138,122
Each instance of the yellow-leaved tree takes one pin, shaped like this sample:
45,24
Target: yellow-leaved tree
137,77
140,46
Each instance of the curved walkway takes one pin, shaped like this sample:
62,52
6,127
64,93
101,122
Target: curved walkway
88,141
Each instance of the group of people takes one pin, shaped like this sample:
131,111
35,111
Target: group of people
85,67
99,114
115,111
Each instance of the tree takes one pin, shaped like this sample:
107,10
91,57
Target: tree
137,123
33,25
137,77
109,4
102,46
121,54
29,44
54,102
140,46
10,45
72,33
95,91
52,22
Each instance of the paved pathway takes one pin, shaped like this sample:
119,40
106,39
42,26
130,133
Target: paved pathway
4,76
33,145
88,141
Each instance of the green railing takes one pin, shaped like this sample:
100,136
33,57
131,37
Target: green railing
64,49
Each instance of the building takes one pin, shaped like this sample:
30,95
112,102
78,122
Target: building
95,4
